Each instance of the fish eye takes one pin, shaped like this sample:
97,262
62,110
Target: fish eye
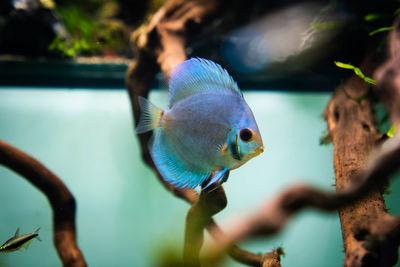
245,135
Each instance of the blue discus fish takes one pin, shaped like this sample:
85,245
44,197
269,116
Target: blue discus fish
19,241
208,128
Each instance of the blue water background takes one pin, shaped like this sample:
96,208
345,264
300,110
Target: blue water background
124,216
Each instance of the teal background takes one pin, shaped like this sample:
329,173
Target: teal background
125,217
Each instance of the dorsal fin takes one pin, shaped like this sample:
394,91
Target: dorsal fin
196,75
17,232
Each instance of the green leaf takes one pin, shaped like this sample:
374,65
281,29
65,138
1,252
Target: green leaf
62,47
327,25
357,71
383,29
370,80
373,16
344,65
391,131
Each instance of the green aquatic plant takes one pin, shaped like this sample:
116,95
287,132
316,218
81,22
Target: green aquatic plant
327,25
60,46
382,29
82,30
374,16
69,48
91,31
391,131
356,70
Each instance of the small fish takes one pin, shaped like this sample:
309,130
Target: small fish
208,128
19,241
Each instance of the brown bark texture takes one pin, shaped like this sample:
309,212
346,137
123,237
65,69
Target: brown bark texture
61,200
351,125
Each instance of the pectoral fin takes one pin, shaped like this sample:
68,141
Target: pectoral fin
219,175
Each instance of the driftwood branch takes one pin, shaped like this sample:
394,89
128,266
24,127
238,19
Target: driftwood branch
198,217
351,125
61,200
161,45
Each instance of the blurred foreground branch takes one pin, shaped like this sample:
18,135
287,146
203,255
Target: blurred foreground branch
388,76
61,200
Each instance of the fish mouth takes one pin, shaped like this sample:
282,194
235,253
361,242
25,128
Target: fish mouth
257,151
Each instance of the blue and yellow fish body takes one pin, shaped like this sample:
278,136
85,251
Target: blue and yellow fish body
208,128
19,241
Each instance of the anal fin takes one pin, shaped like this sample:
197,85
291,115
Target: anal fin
175,170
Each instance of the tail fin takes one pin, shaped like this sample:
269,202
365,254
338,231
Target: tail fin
150,116
37,232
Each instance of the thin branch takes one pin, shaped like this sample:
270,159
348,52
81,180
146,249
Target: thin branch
61,200
235,251
198,217
272,259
